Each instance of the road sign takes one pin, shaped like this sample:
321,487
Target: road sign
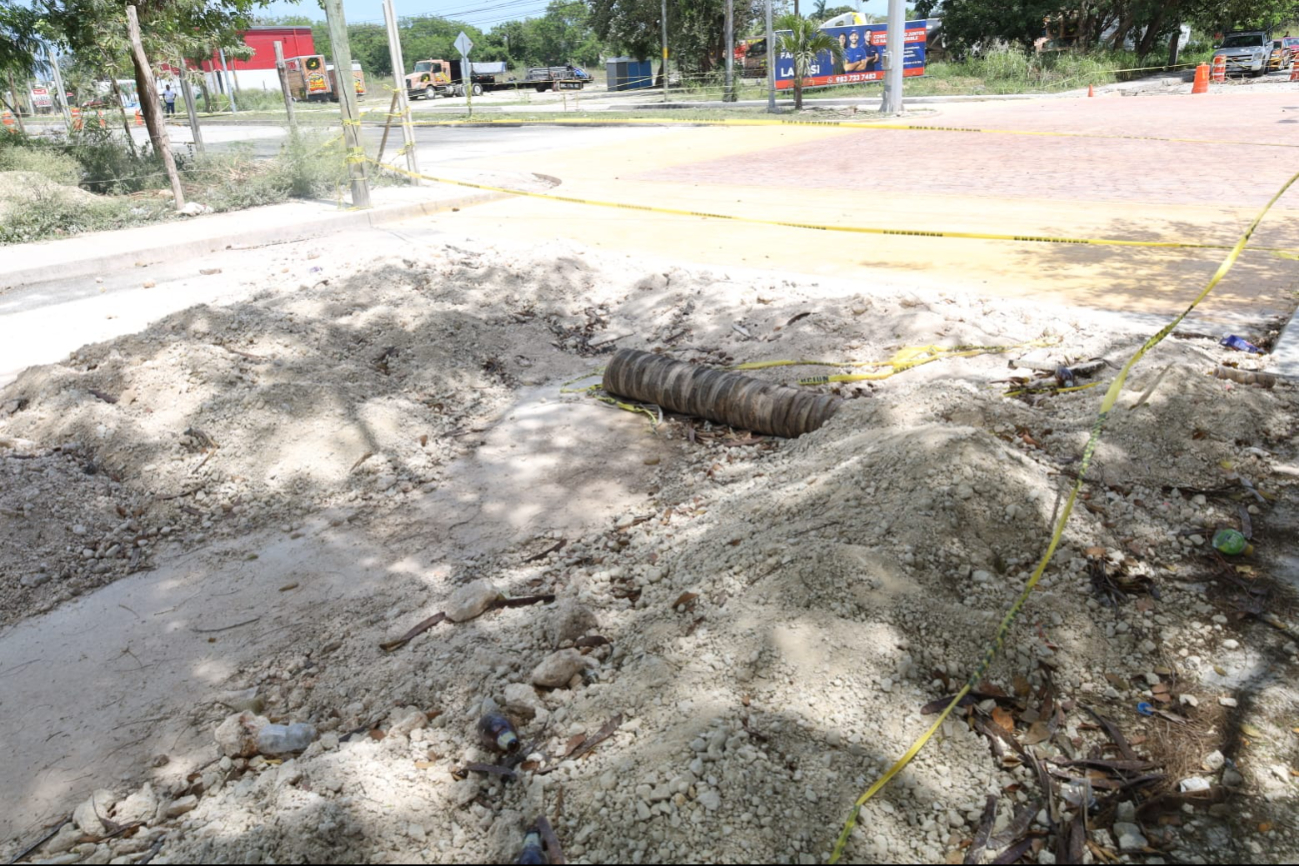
464,43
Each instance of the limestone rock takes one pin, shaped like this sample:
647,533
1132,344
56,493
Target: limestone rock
471,600
558,668
87,816
140,806
569,621
237,735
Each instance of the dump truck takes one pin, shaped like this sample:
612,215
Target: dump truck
313,79
433,78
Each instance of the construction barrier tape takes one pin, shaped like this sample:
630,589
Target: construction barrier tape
904,359
833,124
1003,629
867,230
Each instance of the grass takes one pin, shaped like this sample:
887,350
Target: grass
127,183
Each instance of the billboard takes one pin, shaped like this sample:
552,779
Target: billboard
41,98
863,56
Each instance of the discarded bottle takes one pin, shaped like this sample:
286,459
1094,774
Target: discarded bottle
496,732
282,739
1064,377
532,852
1231,341
1231,542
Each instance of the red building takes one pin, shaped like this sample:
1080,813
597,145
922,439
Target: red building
258,71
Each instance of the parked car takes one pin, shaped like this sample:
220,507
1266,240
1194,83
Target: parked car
1284,52
1246,51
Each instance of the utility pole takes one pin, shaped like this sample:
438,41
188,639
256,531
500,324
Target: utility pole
17,105
284,89
187,91
58,85
347,101
729,94
149,105
771,61
225,81
399,80
665,50
894,54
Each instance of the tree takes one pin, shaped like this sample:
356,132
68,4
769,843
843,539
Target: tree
802,40
17,35
696,29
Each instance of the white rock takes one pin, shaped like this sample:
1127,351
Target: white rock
179,807
1214,761
464,791
1130,838
237,735
558,668
1232,779
710,800
1189,700
569,621
68,836
1194,783
1227,702
410,720
140,806
471,600
87,815
1231,644
521,699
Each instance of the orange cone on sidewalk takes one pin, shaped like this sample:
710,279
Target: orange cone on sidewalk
1219,73
8,121
1090,92
1201,84
76,118
1294,71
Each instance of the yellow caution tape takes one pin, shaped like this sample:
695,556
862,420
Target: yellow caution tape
1003,629
867,230
833,124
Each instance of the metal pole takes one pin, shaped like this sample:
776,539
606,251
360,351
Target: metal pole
399,79
187,92
665,50
894,49
58,85
284,88
729,94
467,76
771,62
225,81
347,101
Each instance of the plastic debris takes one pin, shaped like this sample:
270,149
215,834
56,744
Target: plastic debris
1231,341
1145,709
1231,542
282,739
497,732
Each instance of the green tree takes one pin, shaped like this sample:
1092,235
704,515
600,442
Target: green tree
802,40
696,29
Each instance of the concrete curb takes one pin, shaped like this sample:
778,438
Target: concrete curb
1285,353
288,233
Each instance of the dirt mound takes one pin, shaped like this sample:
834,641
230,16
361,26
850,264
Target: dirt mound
762,630
28,187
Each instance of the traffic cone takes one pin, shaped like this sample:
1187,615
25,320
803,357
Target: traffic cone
1201,84
102,124
8,121
139,119
76,118
1219,73
1090,91
1294,70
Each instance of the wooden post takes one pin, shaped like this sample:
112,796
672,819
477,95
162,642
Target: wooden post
399,81
17,105
149,105
284,88
187,92
383,142
121,107
347,101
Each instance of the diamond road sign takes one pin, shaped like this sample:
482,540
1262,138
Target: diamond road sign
464,43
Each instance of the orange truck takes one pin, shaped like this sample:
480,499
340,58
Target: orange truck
313,79
432,78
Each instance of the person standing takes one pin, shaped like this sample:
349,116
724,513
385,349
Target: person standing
169,99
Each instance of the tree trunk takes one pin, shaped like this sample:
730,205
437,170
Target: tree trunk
17,105
798,93
121,109
1147,44
150,108
1174,44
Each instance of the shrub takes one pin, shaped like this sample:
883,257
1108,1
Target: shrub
47,161
51,214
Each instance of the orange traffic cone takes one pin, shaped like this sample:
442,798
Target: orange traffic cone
8,121
1219,71
1090,92
139,119
1201,84
1294,71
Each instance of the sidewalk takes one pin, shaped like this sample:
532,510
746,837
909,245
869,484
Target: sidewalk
92,254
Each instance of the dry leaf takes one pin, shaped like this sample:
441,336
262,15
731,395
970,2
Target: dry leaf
573,742
1250,731
1095,552
687,599
1265,827
1004,720
1038,732
423,765
377,734
1022,686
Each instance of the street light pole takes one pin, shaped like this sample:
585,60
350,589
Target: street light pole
771,62
665,50
894,50
729,95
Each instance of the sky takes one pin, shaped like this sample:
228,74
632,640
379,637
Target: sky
484,14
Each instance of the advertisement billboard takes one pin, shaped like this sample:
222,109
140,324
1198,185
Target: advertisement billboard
41,98
863,57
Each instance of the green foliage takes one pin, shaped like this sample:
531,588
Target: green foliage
52,214
109,167
696,29
24,153
802,40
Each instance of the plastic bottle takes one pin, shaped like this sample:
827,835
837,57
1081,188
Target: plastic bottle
532,851
1231,542
496,732
282,739
1231,341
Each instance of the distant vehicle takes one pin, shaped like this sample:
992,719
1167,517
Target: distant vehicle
1246,51
1284,52
432,78
312,78
556,78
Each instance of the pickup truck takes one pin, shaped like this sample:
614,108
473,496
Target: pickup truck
1246,51
556,78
